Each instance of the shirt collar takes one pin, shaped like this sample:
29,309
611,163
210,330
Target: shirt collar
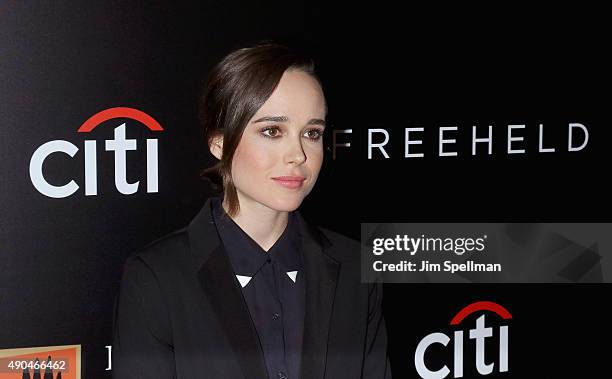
245,255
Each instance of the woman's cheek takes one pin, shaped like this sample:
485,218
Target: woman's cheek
252,157
315,156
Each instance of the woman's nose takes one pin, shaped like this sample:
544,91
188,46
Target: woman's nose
295,152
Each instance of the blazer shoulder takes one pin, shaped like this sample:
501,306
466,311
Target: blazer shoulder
164,250
343,248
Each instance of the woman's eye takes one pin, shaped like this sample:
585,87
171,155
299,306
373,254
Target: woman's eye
270,132
314,134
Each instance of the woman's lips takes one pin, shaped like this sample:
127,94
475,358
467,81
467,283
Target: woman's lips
291,182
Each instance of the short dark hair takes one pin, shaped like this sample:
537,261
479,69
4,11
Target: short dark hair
234,90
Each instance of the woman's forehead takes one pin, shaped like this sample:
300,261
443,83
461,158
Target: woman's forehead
298,96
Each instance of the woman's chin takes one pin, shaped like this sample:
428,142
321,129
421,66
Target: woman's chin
288,204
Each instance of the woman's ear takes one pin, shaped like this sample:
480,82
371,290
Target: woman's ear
216,146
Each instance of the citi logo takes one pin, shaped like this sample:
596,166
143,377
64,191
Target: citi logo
119,145
479,334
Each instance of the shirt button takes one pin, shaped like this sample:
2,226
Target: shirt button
276,316
282,375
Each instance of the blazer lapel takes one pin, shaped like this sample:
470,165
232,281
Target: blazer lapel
219,283
321,274
224,295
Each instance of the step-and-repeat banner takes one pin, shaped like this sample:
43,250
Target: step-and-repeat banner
466,149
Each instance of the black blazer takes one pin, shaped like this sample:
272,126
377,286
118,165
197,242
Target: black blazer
180,312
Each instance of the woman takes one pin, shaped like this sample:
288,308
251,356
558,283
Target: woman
249,289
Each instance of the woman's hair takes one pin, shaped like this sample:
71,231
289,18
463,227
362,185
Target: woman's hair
234,90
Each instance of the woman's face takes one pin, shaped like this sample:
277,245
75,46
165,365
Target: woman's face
278,159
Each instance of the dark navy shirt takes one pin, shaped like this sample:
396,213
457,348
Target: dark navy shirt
273,287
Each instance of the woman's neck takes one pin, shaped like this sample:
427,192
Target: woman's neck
263,224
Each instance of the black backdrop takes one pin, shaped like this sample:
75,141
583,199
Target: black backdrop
383,66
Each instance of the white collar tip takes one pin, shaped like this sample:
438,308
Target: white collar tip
244,280
292,275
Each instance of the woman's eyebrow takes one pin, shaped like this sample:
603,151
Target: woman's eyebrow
272,118
312,121
316,121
